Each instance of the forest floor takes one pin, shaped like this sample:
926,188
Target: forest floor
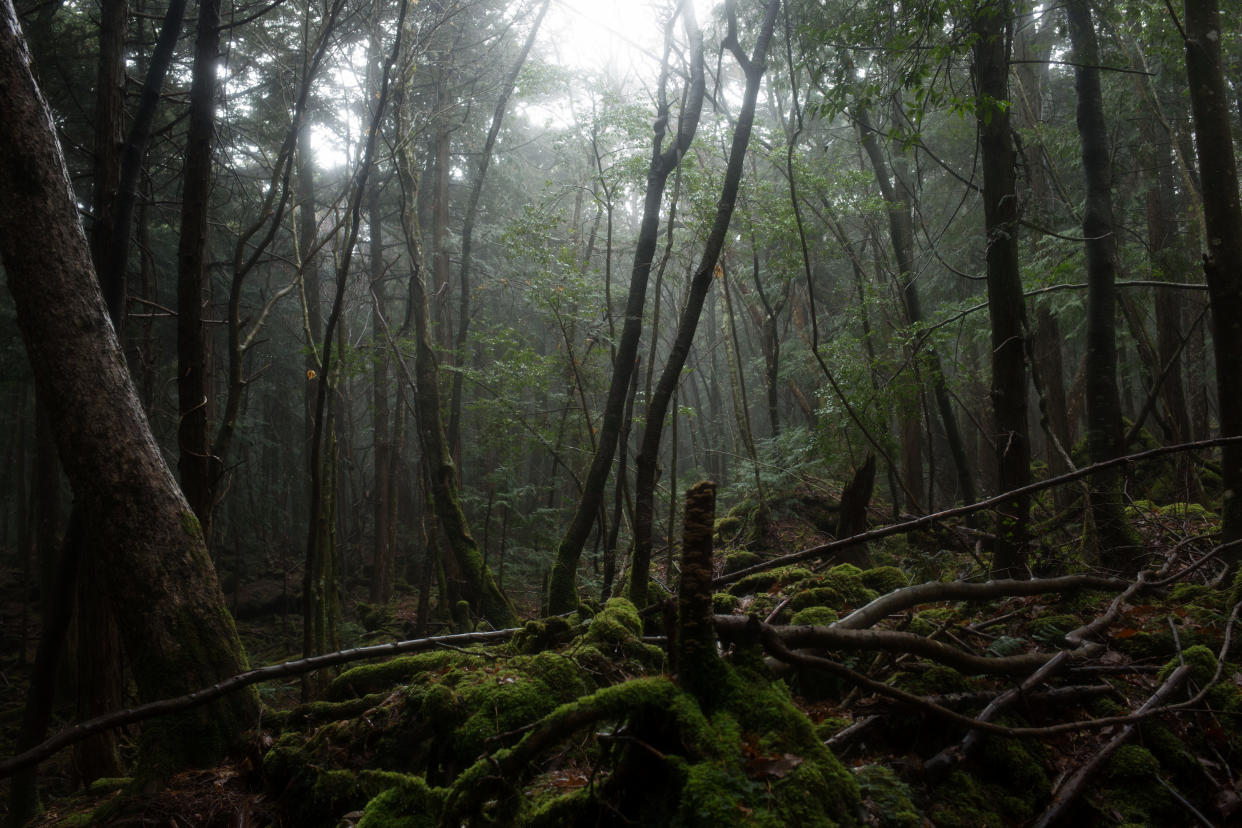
842,694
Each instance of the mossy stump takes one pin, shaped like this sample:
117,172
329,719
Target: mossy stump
697,662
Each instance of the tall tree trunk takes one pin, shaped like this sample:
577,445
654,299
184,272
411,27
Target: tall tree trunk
900,202
195,461
173,622
1222,264
1118,545
657,408
382,561
563,595
992,22
467,229
484,597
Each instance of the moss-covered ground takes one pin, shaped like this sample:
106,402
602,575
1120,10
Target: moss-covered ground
581,720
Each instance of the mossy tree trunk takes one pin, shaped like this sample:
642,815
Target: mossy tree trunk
699,667
480,590
168,604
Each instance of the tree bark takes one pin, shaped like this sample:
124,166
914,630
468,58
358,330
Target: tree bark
481,592
467,229
1222,264
1006,305
563,595
173,623
900,202
1118,545
195,461
657,409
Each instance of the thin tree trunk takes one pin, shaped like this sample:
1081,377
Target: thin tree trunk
467,230
484,597
562,589
900,203
657,408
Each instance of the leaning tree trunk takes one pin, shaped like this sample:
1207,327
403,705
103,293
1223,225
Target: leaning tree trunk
562,591
657,409
1006,304
173,622
900,202
1222,264
1118,545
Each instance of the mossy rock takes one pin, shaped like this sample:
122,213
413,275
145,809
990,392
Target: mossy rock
817,597
937,679
886,798
885,579
543,634
1202,662
764,581
725,604
735,561
1132,762
817,616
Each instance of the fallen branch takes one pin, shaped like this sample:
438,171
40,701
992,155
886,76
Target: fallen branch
940,764
776,647
935,591
163,707
1069,791
835,638
958,511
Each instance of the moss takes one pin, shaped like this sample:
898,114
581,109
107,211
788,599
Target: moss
736,561
935,680
847,579
885,579
373,616
886,798
542,634
1015,765
190,525
764,581
830,727
1201,660
1051,629
728,528
725,604
108,784
817,597
323,711
502,705
820,616
370,678
410,803
962,801
1132,762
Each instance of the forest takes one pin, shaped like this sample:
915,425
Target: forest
662,412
